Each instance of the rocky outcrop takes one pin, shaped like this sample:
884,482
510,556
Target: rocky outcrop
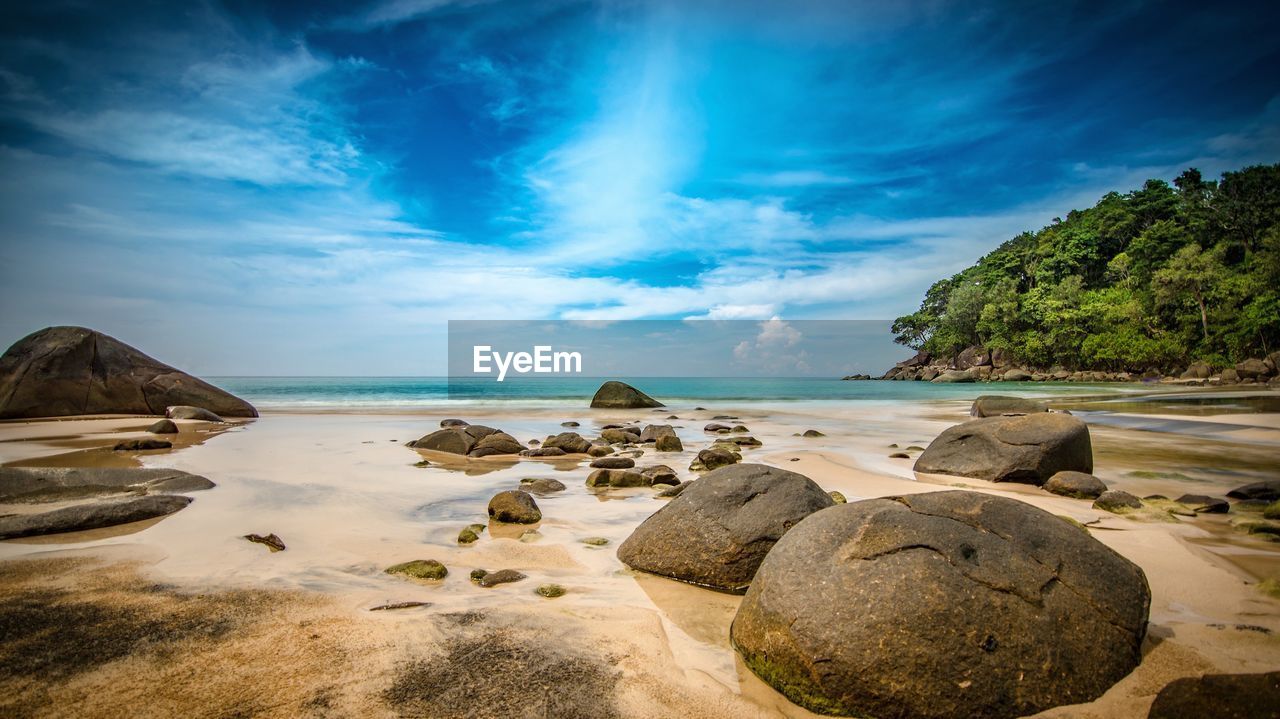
62,371
619,395
718,530
943,604
1222,696
94,515
1079,485
994,405
472,440
1029,449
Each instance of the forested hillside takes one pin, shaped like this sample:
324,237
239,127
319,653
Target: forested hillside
1154,278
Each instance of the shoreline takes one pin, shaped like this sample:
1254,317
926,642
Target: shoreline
343,493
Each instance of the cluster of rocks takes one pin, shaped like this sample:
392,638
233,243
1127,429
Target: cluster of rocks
839,585
977,364
456,436
103,497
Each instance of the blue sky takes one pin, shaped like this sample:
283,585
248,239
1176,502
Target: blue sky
240,188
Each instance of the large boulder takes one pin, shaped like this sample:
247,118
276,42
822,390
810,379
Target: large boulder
972,357
943,604
1252,369
717,531
620,395
955,375
994,405
61,371
1017,375
1222,696
1030,448
50,484
496,443
570,442
514,506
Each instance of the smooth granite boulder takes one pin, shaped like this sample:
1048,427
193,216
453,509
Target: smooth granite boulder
163,426
714,458
455,439
1079,485
1221,696
1117,501
183,411
62,371
496,443
92,515
514,506
619,395
652,432
718,530
941,605
994,405
570,442
1029,448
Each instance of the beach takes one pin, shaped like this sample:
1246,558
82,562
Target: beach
185,612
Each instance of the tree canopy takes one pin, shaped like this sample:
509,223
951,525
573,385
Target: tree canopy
1157,277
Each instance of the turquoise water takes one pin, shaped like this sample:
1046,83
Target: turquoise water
409,392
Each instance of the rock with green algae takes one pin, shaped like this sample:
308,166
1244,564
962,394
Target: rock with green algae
470,534
420,569
595,541
1117,501
838,498
550,591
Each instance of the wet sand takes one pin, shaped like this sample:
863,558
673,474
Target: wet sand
291,634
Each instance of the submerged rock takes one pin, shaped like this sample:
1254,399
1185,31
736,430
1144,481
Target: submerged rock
470,534
1029,449
619,395
550,591
1079,485
141,445
60,371
943,604
717,531
493,579
93,515
514,506
541,485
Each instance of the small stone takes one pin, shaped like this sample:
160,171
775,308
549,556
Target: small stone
164,426
420,569
613,463
595,541
899,455
812,433
1117,501
399,605
140,445
550,591
838,498
541,485
569,424
470,534
272,542
493,579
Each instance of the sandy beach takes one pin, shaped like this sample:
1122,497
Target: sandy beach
186,613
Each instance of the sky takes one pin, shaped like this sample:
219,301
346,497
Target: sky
317,188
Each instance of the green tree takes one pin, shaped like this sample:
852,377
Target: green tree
1191,273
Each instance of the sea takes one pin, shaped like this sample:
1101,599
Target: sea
408,393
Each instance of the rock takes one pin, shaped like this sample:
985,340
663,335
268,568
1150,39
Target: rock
617,478
141,445
470,534
1000,359
569,424
740,428
619,395
1204,504
717,428
446,423
50,484
838,498
1222,696
458,439
1076,484
60,371
1198,370
541,485
972,357
954,375
746,441
1230,376
652,432
496,443
420,569
619,436
724,416
714,458
514,506
812,433
668,443
595,541
1017,375
899,455
1252,369
1266,491
1029,448
398,605
613,463
943,604
188,412
717,531
660,474
544,452
164,426
600,450
493,579
95,515
1117,501
270,541
676,490
994,405
550,591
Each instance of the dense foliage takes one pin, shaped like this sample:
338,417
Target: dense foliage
1154,278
